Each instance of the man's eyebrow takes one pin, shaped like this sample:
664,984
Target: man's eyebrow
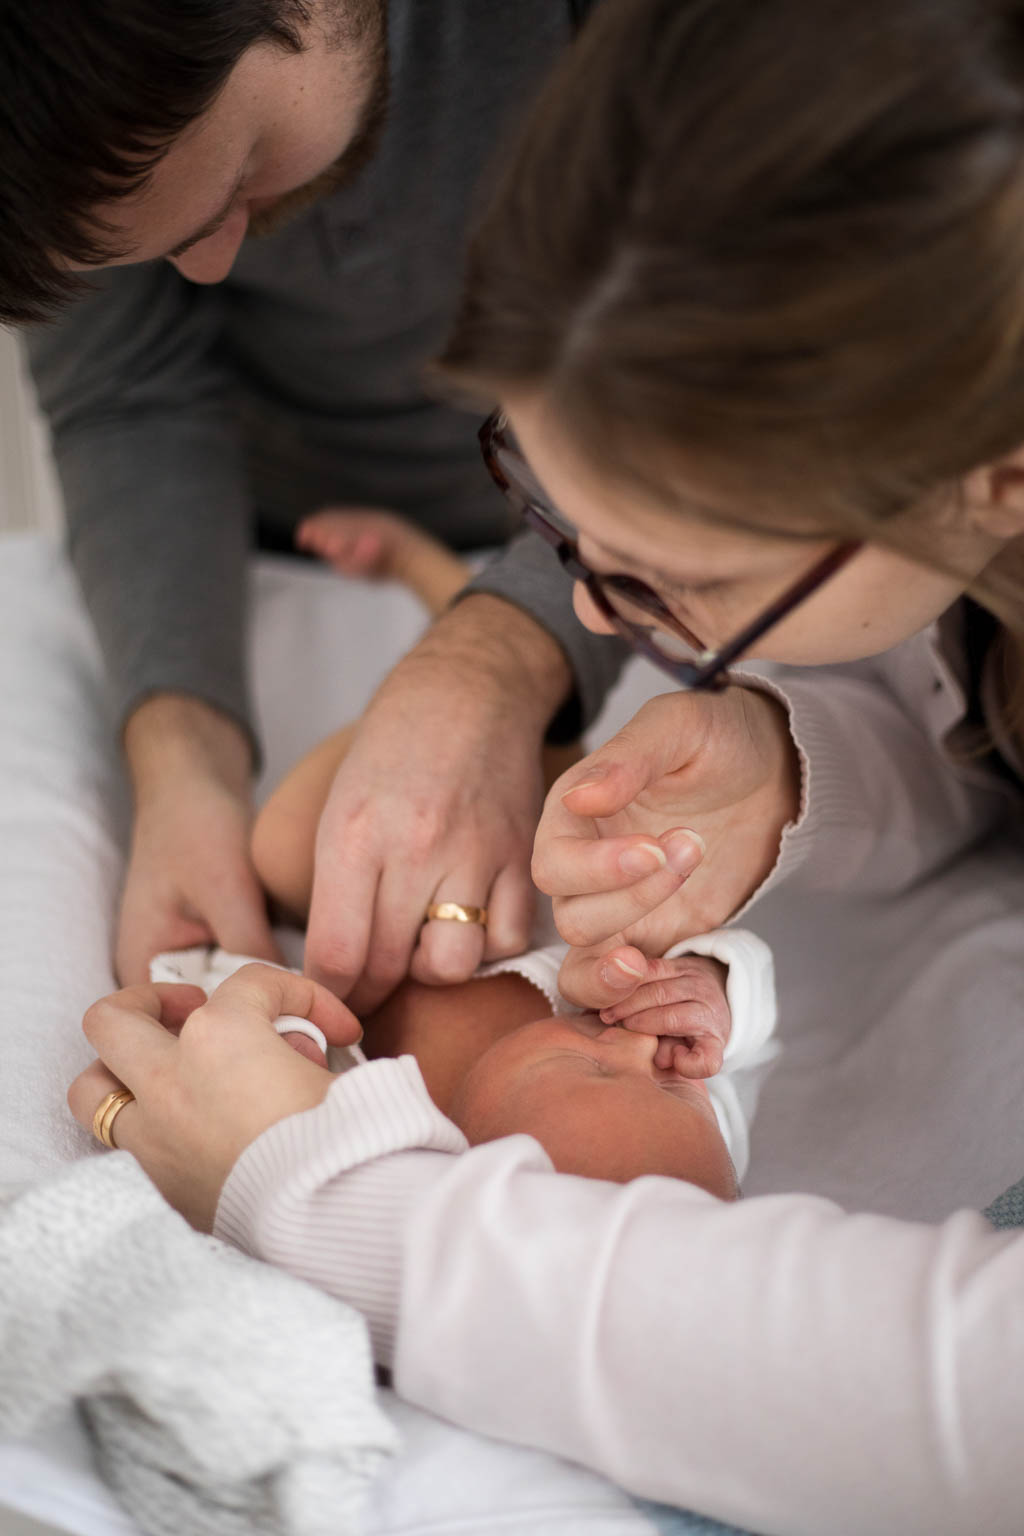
212,225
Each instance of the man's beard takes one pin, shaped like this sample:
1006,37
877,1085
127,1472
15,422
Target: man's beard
356,155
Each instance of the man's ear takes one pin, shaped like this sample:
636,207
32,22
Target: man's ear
994,496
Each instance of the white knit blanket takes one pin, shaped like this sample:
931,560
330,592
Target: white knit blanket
223,1397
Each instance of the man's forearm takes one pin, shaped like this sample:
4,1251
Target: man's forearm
170,738
528,577
496,643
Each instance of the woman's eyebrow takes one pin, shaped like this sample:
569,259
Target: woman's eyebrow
212,225
657,578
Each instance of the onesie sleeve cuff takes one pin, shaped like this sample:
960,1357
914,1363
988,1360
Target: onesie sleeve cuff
285,1200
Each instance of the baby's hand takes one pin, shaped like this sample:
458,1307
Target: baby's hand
681,1000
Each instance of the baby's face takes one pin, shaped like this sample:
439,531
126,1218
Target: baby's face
592,1096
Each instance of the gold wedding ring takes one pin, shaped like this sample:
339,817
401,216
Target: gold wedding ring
107,1112
455,912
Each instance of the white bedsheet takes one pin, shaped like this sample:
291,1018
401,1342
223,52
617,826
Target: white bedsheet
899,1087
62,826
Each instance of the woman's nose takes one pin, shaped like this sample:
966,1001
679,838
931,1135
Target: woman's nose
588,613
211,259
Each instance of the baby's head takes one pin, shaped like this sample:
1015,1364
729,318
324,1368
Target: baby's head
592,1096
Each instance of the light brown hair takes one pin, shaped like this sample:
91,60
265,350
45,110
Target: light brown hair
782,241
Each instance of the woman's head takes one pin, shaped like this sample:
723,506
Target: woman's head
760,265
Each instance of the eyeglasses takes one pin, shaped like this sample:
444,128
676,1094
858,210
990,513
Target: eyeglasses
629,604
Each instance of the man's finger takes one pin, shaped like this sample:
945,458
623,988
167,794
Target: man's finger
450,951
340,917
510,909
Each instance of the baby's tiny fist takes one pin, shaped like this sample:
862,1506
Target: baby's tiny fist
684,1002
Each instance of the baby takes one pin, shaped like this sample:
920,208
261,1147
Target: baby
603,1100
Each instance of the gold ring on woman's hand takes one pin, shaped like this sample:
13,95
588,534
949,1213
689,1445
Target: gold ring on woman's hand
107,1112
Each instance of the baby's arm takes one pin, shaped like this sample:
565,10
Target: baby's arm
684,1001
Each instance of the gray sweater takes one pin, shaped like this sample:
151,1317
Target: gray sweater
185,419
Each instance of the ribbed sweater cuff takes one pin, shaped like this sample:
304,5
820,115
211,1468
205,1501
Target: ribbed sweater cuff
286,1202
826,795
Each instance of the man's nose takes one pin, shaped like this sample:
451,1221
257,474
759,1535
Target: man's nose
212,259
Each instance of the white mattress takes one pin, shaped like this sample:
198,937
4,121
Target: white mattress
898,1090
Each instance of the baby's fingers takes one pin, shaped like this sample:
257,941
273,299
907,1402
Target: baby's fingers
692,1056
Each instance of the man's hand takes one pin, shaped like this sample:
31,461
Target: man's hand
722,766
190,879
437,800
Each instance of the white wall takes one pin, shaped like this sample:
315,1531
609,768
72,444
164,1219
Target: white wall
29,497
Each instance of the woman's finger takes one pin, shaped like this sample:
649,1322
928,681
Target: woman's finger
87,1093
126,1030
584,921
255,996
583,863
661,738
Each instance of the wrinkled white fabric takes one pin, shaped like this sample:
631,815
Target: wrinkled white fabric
223,1398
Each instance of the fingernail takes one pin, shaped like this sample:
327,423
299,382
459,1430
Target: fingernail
682,846
628,969
596,775
618,975
643,860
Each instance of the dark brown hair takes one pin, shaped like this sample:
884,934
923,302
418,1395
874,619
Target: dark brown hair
92,94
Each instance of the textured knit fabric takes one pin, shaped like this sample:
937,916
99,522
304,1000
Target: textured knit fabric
182,415
223,1397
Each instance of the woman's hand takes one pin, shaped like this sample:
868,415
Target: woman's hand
208,1076
722,766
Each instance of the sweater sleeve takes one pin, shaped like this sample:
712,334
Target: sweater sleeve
774,1363
884,801
528,574
154,488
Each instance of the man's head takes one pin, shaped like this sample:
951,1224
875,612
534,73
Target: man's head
593,1097
135,129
